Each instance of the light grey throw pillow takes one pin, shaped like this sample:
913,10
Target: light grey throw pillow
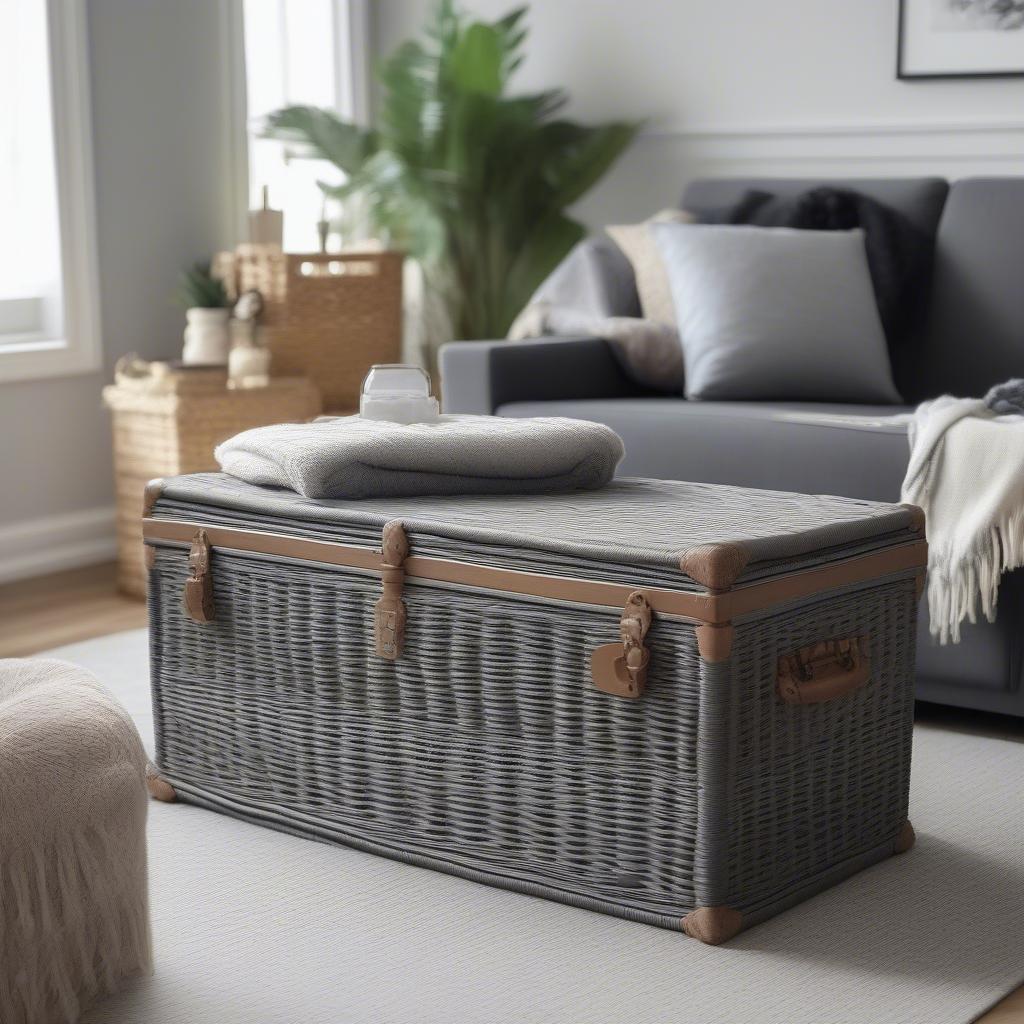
776,313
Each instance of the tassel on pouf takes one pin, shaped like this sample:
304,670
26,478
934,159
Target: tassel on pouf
74,913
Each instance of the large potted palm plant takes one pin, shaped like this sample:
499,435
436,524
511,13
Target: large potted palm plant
471,181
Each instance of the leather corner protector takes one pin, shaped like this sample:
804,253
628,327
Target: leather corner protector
917,517
713,925
715,566
714,641
159,788
905,839
149,496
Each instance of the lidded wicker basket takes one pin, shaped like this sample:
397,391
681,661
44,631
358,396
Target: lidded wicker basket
330,316
682,704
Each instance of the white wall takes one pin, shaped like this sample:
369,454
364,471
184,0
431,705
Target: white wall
165,173
797,87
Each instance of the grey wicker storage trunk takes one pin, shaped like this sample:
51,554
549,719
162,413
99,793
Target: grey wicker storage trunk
682,704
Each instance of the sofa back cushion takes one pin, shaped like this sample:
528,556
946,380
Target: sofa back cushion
976,322
919,200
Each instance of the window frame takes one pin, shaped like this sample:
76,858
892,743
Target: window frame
80,350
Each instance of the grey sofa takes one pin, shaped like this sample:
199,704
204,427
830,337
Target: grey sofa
965,333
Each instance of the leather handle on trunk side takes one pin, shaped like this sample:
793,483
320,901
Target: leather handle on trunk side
823,671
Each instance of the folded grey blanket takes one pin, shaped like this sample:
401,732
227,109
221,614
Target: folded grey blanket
349,457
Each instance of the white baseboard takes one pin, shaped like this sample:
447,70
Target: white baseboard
54,543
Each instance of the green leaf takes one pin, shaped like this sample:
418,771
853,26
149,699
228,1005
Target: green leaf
198,288
584,156
477,61
322,134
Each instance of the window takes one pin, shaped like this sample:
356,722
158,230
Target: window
48,284
309,52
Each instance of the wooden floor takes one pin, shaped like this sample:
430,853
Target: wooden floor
37,615
50,611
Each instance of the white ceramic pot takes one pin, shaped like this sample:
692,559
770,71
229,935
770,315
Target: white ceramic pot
207,339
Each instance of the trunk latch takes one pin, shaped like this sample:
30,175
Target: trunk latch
621,668
389,612
198,596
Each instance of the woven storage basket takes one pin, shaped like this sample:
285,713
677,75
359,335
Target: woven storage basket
328,316
681,704
170,422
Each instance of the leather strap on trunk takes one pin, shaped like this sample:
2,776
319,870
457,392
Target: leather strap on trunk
389,612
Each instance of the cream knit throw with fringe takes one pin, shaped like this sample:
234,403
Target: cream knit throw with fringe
74,915
967,472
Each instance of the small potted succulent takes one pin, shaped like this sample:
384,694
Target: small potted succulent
207,337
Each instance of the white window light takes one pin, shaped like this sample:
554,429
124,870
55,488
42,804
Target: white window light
49,322
310,52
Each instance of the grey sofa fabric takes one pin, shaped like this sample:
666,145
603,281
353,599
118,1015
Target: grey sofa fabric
852,450
976,323
480,376
986,669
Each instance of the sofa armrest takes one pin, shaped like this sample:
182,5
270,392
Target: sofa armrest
481,376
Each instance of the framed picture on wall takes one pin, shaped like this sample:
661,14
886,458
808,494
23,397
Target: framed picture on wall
960,38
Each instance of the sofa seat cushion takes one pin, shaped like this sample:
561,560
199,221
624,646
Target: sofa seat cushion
859,451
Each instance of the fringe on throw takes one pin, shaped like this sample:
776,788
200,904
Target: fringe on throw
954,588
74,923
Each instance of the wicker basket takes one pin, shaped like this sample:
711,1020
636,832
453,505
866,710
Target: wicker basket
166,423
329,316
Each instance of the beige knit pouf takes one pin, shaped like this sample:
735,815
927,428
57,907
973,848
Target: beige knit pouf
74,914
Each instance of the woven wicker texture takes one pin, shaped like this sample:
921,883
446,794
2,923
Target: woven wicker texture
328,316
485,750
174,430
480,748
806,786
618,531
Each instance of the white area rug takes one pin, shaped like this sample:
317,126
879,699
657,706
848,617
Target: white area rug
259,927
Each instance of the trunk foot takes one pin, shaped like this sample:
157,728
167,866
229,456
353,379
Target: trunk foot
159,788
713,925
